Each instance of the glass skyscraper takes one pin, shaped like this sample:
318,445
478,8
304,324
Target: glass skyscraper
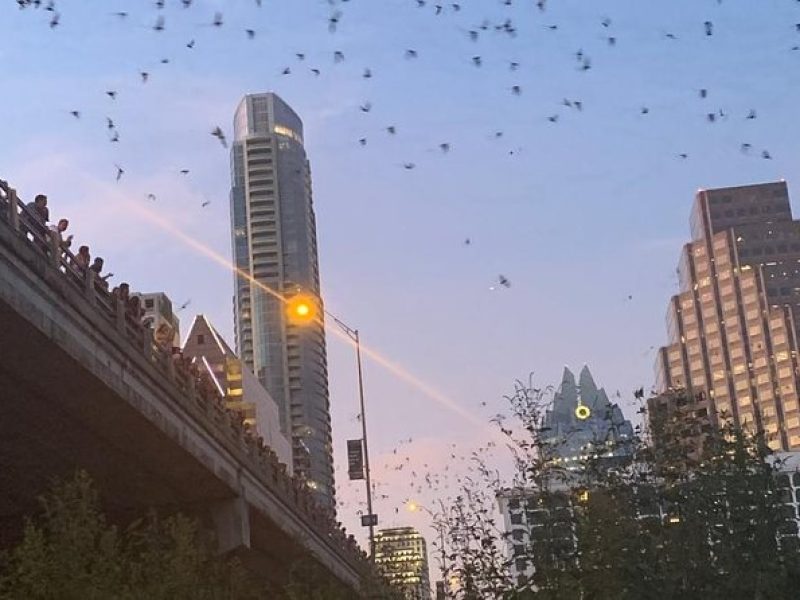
583,422
733,327
275,243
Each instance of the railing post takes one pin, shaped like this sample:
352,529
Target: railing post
55,249
89,278
120,309
147,343
13,213
171,367
191,387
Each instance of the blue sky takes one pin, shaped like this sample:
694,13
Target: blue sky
579,214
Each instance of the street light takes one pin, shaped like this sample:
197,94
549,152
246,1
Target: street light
415,507
353,335
301,309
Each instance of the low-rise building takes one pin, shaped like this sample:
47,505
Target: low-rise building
240,388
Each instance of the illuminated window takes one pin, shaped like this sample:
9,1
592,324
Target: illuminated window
290,133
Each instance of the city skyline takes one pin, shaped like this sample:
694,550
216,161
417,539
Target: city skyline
596,202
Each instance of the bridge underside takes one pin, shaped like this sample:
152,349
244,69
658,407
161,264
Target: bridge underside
56,417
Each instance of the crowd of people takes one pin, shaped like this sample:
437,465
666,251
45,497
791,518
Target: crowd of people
35,220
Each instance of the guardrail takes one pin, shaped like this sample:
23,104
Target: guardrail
263,461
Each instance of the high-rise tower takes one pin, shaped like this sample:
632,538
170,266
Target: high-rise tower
275,242
733,328
402,556
583,421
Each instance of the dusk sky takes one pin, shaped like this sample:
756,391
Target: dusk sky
585,216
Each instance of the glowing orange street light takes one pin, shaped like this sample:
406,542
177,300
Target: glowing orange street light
301,309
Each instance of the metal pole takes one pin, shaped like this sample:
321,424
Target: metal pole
444,564
366,451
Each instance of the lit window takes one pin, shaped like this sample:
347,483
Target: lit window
286,132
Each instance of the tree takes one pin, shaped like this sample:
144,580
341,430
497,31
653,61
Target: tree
72,552
694,511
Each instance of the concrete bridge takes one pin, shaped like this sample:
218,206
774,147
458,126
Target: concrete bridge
83,385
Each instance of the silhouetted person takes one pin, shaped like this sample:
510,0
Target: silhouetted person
57,233
38,209
82,258
122,293
134,308
33,219
97,267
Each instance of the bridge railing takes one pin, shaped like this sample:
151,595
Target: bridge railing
19,217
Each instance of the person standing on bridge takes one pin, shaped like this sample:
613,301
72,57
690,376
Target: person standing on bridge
82,259
57,233
38,209
34,219
97,267
122,293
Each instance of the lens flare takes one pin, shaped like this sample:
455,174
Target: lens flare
393,368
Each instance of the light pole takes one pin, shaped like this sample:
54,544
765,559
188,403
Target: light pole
302,309
353,335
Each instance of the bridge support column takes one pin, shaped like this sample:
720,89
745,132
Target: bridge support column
232,523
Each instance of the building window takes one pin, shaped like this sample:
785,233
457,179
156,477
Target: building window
149,303
201,339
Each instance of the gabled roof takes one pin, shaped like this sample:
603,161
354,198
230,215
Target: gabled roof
202,326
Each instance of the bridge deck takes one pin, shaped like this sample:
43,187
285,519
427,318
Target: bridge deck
84,386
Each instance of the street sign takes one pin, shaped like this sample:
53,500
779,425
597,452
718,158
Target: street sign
367,520
355,459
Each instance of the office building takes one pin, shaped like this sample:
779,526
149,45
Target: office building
733,326
236,384
402,556
583,422
158,314
275,249
788,484
539,520
538,528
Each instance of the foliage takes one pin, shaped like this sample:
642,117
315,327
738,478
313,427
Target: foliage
697,514
72,552
308,581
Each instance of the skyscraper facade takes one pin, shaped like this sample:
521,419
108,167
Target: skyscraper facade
402,556
733,327
582,421
275,246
